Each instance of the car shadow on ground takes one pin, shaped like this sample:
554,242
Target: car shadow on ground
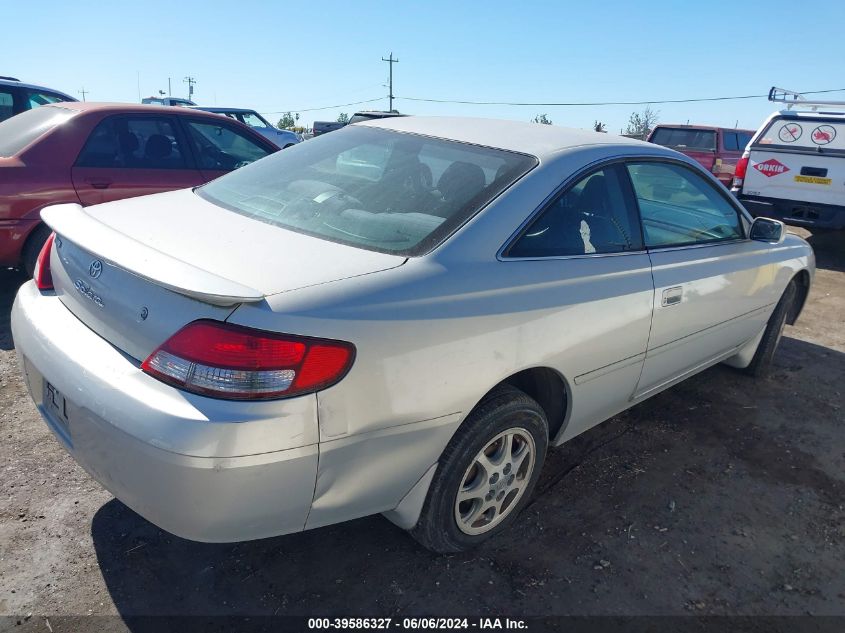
10,281
829,247
692,493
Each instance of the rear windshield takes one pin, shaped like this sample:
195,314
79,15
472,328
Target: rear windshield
20,130
684,138
376,189
805,134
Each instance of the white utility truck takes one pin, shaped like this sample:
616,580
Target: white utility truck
794,167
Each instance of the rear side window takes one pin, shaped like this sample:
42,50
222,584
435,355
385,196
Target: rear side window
685,138
134,142
825,136
592,217
221,147
679,208
19,131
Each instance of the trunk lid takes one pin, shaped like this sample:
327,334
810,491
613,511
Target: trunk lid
135,271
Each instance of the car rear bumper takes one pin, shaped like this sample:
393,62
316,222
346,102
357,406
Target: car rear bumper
13,234
797,213
164,453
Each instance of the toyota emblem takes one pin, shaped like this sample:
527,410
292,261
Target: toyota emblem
96,268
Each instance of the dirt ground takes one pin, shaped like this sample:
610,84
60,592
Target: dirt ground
723,495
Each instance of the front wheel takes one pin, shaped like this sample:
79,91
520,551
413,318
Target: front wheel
762,362
486,474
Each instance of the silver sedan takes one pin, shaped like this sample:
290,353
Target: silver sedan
400,317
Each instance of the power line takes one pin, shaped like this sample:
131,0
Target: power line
573,104
607,103
340,105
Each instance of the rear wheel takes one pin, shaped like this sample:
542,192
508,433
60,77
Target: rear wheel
33,246
486,474
762,362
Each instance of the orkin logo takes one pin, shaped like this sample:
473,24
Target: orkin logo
771,168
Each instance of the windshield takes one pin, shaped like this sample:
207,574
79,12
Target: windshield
20,130
372,188
685,138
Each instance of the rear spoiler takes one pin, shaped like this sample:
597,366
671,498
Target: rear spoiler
71,222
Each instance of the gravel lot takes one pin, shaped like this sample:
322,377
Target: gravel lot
723,495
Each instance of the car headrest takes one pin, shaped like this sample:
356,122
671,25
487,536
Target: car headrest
158,146
461,180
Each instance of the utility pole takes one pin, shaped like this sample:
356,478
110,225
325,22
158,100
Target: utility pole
391,61
169,94
83,92
190,81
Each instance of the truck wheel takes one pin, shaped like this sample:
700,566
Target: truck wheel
762,362
486,474
33,246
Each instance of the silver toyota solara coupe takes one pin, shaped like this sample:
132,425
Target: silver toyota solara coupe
399,317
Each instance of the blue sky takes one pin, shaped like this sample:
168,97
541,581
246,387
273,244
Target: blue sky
277,56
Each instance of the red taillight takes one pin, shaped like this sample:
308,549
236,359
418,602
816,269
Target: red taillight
739,172
43,275
239,363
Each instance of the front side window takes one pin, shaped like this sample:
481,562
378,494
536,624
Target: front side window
679,207
593,216
220,147
372,188
135,143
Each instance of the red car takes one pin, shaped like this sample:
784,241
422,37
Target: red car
717,148
90,153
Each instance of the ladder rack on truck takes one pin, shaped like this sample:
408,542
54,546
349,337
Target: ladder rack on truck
792,98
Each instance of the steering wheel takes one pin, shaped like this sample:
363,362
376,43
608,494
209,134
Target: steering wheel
332,201
221,159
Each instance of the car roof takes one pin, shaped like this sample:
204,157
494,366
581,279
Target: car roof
219,109
529,138
119,108
19,84
702,127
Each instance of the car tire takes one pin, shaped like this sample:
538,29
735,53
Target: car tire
762,362
508,432
32,248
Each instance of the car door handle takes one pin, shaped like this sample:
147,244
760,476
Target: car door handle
672,296
99,184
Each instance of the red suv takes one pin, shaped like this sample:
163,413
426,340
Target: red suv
717,148
89,153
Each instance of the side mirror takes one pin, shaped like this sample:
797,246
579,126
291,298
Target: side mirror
767,230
